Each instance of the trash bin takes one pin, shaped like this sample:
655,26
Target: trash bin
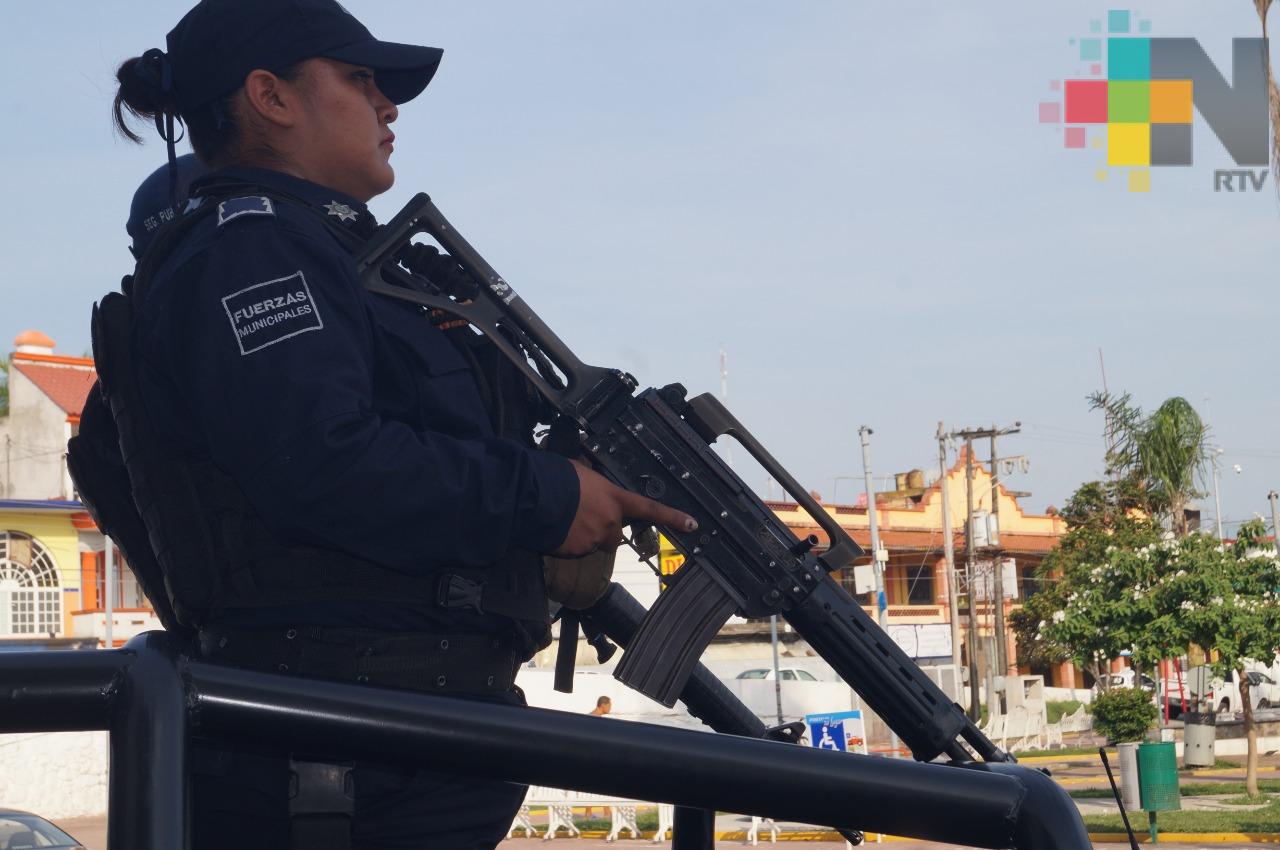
1158,777
1199,730
1130,793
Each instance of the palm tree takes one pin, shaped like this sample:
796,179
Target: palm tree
1273,95
1164,451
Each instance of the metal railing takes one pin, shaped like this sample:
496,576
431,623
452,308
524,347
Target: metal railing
150,697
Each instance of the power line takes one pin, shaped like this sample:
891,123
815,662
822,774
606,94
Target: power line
1061,429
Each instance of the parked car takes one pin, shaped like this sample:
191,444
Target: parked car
785,674
22,830
1264,693
1267,688
1175,705
1124,679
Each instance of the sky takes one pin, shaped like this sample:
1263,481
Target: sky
856,201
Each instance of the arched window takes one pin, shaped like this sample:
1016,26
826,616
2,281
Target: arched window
30,599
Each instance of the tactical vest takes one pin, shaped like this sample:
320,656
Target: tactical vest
190,534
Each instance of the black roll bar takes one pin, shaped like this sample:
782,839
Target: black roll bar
150,696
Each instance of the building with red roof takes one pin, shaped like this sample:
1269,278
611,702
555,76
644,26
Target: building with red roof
46,394
52,554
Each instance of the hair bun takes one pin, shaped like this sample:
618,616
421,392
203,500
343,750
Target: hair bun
146,89
156,73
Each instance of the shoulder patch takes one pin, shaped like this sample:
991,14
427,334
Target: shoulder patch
271,312
233,208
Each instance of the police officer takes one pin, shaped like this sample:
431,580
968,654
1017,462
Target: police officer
373,497
152,207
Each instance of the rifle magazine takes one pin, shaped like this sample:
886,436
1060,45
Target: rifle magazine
672,636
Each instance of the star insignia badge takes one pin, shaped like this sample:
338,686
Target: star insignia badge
342,211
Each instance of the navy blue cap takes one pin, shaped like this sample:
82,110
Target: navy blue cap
151,207
215,46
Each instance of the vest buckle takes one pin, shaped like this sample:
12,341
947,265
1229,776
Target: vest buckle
454,591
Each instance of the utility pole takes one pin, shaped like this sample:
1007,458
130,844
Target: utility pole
1275,527
777,677
1217,502
724,399
108,579
948,547
882,602
975,701
997,566
969,435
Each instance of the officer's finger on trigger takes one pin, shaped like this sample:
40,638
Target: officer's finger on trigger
641,507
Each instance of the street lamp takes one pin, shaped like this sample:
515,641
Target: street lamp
1217,501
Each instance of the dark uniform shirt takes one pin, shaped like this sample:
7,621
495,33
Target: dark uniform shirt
348,420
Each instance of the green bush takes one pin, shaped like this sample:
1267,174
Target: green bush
647,820
1123,714
1057,708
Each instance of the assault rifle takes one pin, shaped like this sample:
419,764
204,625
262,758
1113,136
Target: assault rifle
742,559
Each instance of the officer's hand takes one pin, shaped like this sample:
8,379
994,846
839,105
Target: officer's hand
602,508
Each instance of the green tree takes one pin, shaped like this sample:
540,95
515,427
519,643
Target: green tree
4,386
1222,598
1024,622
1160,454
1087,612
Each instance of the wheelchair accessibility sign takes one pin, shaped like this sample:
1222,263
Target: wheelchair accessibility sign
842,731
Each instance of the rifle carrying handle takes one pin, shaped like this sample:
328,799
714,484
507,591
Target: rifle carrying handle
712,419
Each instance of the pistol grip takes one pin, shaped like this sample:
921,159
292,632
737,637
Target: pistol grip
663,652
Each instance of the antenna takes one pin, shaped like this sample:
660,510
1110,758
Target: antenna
1106,413
724,399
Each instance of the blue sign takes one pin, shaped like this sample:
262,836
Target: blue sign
841,731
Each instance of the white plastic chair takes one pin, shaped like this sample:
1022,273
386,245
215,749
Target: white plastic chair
998,726
753,834
666,816
522,821
560,816
622,816
1015,729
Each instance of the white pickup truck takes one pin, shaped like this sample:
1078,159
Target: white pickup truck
1264,693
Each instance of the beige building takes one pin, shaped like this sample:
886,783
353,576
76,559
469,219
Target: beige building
912,524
